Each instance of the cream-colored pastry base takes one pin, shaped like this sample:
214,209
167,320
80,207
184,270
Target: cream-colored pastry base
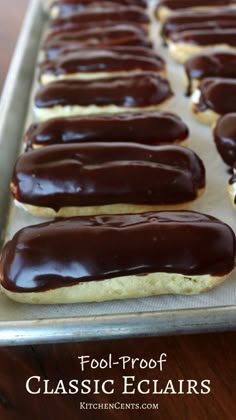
182,52
126,287
43,114
184,143
48,213
47,78
207,117
232,194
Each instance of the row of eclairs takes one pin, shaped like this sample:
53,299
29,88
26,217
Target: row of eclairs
108,168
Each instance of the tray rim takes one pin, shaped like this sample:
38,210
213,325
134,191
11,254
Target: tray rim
100,327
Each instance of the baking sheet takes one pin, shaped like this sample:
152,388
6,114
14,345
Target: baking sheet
26,323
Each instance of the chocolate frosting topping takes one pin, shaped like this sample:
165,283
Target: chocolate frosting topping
192,20
98,60
225,138
147,128
116,14
44,257
205,37
140,90
67,7
90,174
105,36
221,64
185,4
217,94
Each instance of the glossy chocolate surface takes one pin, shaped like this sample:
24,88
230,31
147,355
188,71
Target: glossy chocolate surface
106,36
192,19
205,37
106,31
218,95
184,4
44,257
147,128
98,60
225,138
139,90
221,64
90,174
67,7
116,14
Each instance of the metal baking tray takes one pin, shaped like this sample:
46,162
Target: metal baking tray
22,324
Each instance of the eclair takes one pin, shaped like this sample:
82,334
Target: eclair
97,17
138,92
103,258
166,7
59,42
213,98
150,128
94,178
189,19
225,138
184,45
64,8
219,64
98,63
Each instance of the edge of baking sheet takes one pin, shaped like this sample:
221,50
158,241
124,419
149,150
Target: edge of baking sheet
15,99
13,110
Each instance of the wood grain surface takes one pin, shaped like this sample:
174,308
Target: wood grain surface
198,357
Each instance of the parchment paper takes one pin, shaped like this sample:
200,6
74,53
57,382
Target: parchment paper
214,202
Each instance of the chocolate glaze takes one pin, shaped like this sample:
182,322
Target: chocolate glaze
189,19
221,64
116,49
225,138
205,37
90,174
185,4
218,95
140,90
54,49
106,36
98,16
67,7
44,257
111,30
98,60
147,128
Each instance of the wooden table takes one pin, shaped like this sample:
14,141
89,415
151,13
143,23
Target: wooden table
198,357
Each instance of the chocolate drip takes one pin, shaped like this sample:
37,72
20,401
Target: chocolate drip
116,14
221,64
140,90
225,138
147,128
206,37
97,60
91,174
218,95
44,257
